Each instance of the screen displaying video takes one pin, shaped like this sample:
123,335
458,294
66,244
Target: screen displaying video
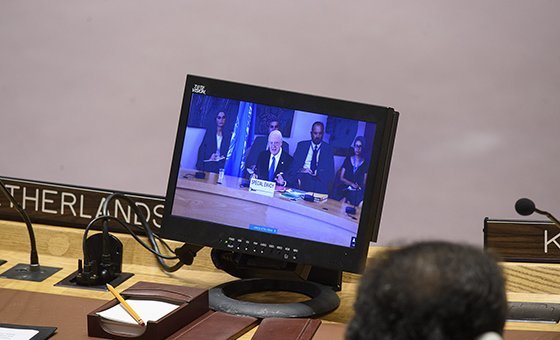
274,170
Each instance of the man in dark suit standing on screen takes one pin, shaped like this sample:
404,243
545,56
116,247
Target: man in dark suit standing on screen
273,164
313,165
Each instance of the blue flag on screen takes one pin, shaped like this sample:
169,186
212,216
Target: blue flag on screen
236,153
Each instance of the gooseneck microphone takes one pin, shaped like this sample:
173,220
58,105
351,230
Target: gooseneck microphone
32,271
526,207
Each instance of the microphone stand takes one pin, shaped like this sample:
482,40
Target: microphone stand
32,271
549,215
525,207
1,260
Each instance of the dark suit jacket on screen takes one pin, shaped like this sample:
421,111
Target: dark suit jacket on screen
283,166
325,168
208,147
258,146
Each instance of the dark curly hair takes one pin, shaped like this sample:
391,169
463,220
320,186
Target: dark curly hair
430,290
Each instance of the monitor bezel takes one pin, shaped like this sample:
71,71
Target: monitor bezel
206,233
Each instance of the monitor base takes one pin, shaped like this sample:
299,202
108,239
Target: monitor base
322,300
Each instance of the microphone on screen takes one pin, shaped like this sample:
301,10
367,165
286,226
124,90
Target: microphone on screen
526,207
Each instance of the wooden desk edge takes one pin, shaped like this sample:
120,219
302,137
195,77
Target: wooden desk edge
61,247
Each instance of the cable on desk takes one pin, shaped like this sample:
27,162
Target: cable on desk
153,247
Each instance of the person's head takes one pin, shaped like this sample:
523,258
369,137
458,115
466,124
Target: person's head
275,142
221,119
273,125
358,145
430,290
317,131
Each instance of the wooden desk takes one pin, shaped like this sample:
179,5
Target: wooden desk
61,247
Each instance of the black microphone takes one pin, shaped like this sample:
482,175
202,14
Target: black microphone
526,207
32,271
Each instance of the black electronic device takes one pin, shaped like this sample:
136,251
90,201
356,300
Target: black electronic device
262,229
102,254
32,271
533,312
350,210
100,266
103,251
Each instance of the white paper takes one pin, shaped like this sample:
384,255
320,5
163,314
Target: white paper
148,310
16,333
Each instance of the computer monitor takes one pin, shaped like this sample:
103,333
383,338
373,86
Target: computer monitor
314,207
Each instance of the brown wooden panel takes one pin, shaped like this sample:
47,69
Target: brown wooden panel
66,205
531,241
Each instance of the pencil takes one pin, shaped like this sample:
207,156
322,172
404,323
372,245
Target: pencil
125,305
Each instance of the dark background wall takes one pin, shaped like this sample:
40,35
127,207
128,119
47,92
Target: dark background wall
90,92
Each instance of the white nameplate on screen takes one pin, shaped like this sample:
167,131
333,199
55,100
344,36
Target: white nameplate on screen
262,187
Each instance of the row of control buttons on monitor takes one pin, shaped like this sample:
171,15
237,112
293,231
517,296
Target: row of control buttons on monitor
259,248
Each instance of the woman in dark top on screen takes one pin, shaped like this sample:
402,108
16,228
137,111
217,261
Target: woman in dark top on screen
353,174
214,147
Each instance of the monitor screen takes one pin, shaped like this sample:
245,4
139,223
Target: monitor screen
278,174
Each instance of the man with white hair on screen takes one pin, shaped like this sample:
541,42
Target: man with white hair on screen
274,163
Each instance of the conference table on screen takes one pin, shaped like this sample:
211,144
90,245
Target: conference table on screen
231,202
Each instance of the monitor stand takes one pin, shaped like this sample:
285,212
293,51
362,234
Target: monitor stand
267,275
322,300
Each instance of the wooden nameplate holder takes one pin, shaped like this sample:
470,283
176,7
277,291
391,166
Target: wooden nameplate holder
193,302
523,241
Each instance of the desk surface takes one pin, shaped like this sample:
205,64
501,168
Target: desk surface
22,307
61,247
